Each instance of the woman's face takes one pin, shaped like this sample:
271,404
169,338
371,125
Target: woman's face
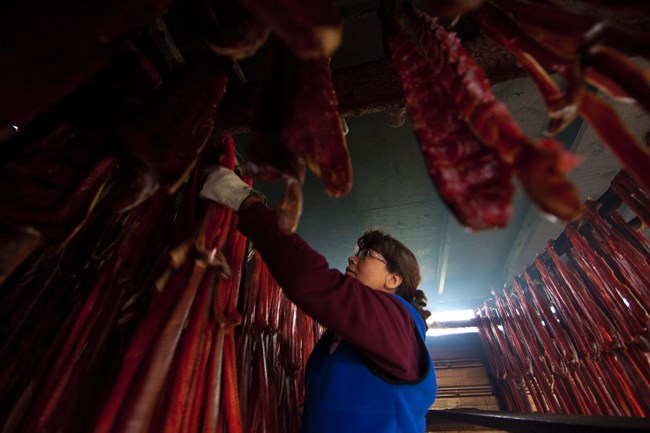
369,267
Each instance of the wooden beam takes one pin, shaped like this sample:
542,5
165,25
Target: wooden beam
443,253
367,88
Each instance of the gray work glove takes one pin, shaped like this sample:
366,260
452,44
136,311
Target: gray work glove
226,188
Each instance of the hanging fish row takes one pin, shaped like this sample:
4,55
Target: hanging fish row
125,339
571,335
274,341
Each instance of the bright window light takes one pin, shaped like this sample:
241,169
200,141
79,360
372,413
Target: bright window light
436,332
451,316
441,317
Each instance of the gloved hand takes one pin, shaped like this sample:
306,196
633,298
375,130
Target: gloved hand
226,188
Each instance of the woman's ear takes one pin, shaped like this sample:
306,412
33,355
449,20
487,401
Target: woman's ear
393,281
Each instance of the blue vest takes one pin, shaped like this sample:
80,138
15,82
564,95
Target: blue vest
344,395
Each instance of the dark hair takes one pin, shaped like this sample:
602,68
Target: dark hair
400,261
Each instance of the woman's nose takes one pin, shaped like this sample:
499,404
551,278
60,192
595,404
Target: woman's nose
353,260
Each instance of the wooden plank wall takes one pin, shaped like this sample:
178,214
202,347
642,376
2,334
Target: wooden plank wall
464,380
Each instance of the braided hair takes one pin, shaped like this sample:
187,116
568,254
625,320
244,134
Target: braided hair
400,261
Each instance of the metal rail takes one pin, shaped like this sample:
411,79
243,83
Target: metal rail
538,422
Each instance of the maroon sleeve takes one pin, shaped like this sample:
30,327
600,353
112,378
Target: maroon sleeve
375,322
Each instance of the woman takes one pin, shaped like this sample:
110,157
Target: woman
370,372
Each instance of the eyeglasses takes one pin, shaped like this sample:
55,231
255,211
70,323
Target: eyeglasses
365,252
